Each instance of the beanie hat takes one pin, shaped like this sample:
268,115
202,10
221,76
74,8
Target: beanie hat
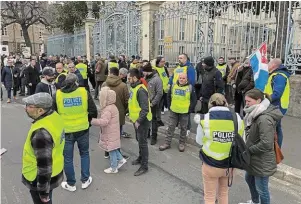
217,99
209,61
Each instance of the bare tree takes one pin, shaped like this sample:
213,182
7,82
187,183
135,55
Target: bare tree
25,13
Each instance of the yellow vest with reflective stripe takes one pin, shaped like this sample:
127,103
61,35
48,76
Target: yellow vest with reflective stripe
54,124
180,98
222,69
112,64
285,98
218,136
134,107
73,107
164,78
178,71
133,66
83,69
57,78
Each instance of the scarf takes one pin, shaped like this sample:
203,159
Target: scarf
253,111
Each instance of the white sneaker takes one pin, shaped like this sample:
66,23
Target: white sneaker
87,183
187,133
249,202
110,171
165,109
162,112
121,163
67,187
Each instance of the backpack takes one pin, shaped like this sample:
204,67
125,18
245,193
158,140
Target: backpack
239,155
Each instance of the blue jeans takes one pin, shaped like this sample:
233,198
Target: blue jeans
259,188
115,157
83,146
279,133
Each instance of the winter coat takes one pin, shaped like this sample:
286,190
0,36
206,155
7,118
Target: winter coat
7,77
260,142
232,75
122,64
81,81
155,88
212,82
31,75
244,80
109,122
122,95
46,87
100,69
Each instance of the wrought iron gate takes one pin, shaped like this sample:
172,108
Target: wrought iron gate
118,30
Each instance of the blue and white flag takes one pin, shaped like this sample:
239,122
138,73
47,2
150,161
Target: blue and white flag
259,64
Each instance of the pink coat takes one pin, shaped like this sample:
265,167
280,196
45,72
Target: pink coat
109,125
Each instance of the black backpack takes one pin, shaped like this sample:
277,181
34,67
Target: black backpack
239,155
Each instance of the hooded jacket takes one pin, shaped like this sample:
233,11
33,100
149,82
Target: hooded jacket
190,74
212,83
155,88
278,84
260,142
122,95
45,86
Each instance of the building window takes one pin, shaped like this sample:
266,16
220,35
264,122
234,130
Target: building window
181,50
197,31
223,33
4,30
233,35
21,32
161,50
161,27
182,28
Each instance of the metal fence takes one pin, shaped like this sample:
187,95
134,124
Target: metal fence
227,29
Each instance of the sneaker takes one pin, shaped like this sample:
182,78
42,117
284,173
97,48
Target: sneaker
15,98
187,133
125,135
162,112
8,101
121,163
111,171
165,109
67,187
249,202
87,183
106,155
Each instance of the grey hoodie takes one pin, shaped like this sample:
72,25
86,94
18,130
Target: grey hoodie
260,142
155,88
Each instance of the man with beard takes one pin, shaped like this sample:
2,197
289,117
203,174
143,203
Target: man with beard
212,83
224,69
46,84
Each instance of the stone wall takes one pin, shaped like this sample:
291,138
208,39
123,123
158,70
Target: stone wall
294,108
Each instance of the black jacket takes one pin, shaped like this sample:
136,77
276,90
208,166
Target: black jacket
31,75
212,83
244,80
92,109
193,98
122,64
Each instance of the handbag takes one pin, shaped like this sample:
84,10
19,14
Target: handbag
278,152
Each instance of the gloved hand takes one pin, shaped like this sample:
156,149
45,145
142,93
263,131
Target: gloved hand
197,118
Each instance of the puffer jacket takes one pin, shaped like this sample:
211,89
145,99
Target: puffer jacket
260,142
109,124
155,88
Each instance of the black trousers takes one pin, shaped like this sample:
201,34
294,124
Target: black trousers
154,110
36,198
204,109
97,88
141,137
239,102
32,89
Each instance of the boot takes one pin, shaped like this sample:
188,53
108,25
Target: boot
181,147
137,161
164,147
140,171
154,140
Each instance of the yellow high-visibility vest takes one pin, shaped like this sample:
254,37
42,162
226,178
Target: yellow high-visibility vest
285,98
133,66
134,107
180,98
112,64
83,69
73,107
164,78
54,124
222,69
57,78
178,71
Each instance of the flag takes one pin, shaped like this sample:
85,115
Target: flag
259,64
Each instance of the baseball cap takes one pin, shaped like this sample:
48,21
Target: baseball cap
41,100
48,72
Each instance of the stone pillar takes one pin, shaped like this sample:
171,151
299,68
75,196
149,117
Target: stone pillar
294,108
149,43
89,25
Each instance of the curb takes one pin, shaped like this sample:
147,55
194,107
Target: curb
284,172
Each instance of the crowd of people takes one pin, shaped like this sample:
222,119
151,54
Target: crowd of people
61,103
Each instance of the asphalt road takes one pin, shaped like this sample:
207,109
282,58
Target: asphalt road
173,177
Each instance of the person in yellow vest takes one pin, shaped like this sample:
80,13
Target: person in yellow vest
181,100
140,115
112,63
278,88
134,64
77,108
60,75
215,134
164,76
83,69
224,69
43,160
